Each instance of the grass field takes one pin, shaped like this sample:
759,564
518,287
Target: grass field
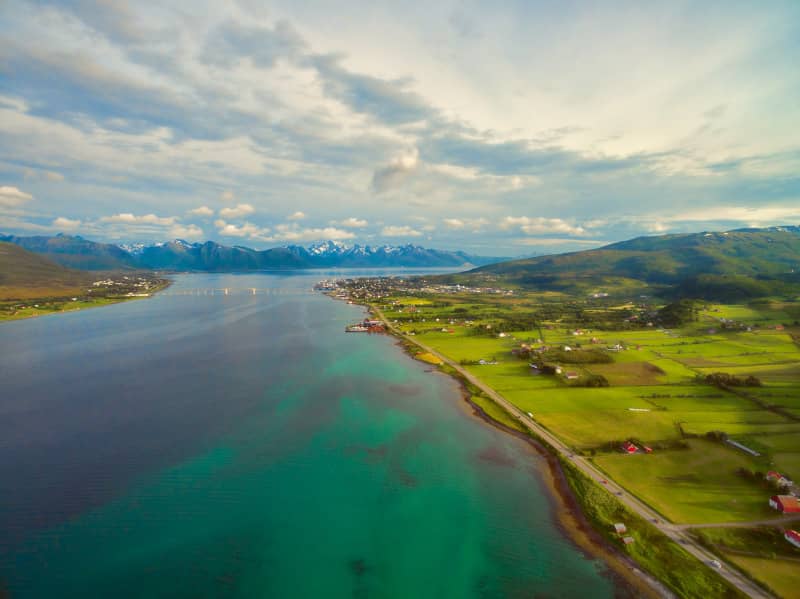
694,485
653,395
763,552
686,576
781,576
656,395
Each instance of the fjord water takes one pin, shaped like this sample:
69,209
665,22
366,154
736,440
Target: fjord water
243,445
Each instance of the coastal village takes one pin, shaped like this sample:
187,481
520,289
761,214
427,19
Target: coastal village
111,288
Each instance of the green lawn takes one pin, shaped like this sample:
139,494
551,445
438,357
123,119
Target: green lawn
694,485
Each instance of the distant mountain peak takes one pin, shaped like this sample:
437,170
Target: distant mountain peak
180,254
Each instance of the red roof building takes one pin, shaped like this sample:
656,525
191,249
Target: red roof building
629,447
778,478
793,537
785,504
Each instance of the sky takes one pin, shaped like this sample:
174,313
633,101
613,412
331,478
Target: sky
510,128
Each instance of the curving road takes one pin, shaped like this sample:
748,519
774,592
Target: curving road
675,532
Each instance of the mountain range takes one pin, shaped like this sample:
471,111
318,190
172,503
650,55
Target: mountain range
728,265
76,252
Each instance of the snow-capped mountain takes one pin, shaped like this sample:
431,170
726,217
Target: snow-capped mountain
209,255
179,254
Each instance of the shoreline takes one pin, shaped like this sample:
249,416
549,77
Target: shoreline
571,520
111,302
568,515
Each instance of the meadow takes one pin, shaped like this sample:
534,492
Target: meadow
761,551
656,395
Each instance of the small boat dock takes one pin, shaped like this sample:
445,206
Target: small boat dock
366,326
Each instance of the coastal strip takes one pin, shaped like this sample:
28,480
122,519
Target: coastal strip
569,516
113,290
671,557
582,470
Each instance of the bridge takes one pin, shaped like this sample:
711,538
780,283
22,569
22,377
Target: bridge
272,291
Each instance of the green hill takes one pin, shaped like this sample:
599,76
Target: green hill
24,274
74,251
730,265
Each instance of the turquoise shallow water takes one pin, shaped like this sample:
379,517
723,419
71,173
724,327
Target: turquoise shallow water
244,446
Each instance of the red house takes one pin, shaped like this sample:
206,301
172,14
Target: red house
793,537
629,447
785,504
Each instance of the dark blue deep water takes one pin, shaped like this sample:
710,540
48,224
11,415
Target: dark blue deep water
243,445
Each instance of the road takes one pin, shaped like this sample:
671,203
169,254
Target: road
674,532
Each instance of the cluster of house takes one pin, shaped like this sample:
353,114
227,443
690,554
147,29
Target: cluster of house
141,282
570,375
787,503
622,530
361,289
630,448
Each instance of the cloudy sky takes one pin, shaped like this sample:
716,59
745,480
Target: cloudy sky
500,129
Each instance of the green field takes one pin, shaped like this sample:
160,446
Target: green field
666,560
694,485
763,552
680,379
655,394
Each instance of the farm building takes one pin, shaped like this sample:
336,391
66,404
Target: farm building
620,528
572,375
785,504
629,447
793,537
778,478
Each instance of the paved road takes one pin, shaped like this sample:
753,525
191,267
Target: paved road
672,531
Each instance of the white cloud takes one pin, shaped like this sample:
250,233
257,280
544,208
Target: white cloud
202,211
540,225
751,216
296,216
146,219
11,197
656,227
399,231
237,211
287,232
548,241
186,231
457,224
352,222
248,230
227,196
66,224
